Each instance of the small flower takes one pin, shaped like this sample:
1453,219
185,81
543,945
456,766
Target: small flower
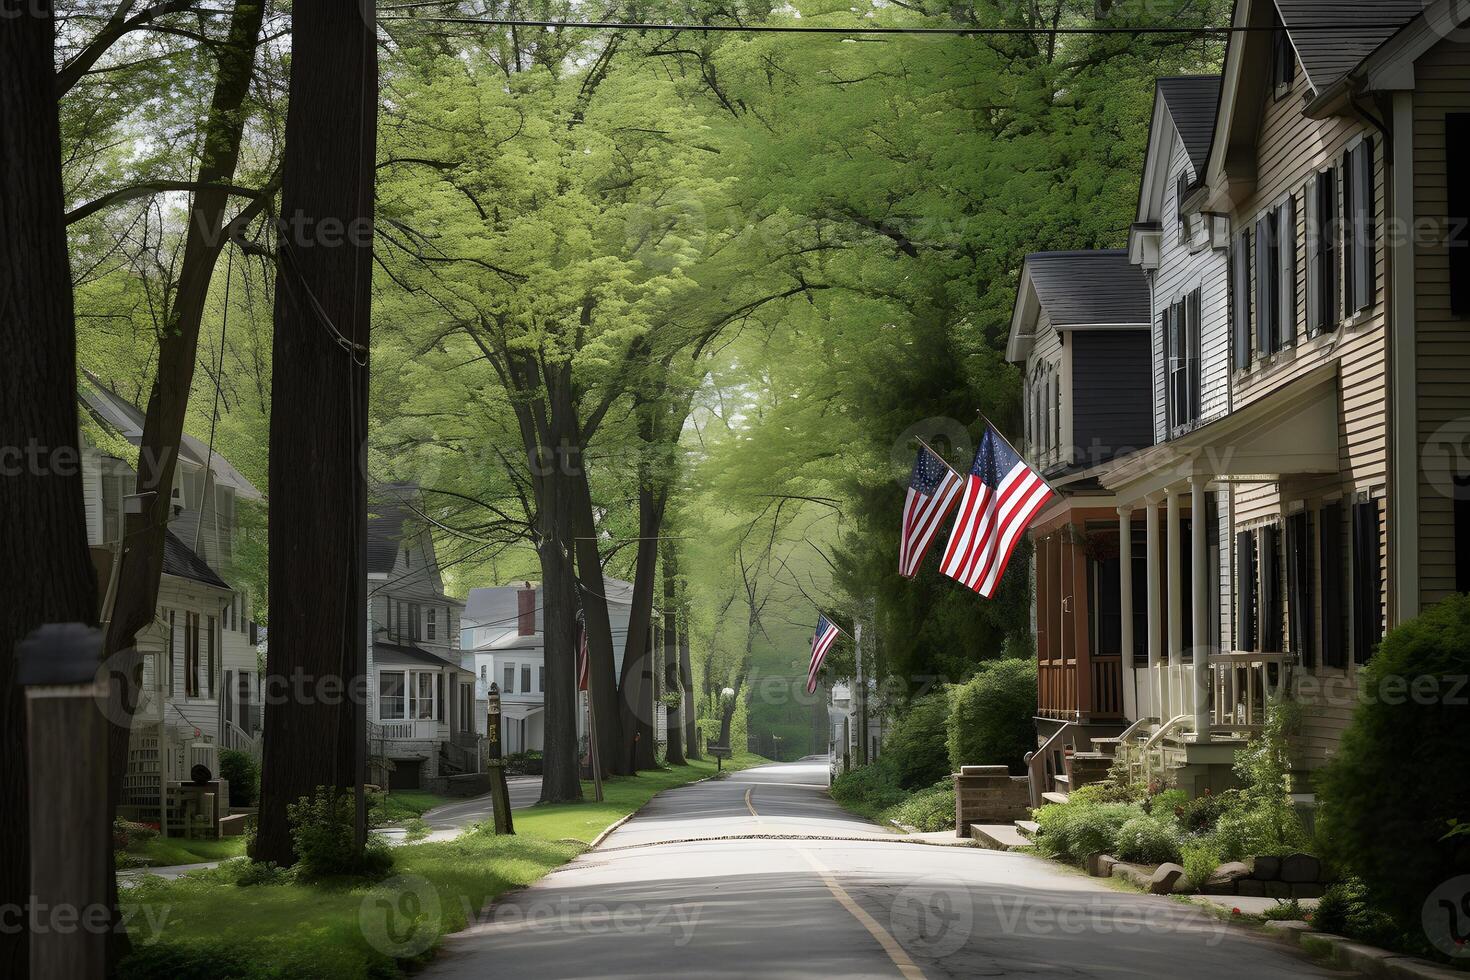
1235,911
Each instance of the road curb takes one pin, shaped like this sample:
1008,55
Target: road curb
607,832
1370,961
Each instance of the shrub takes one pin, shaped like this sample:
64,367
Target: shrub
990,719
243,774
1399,777
1168,805
1288,910
1345,910
1073,830
127,833
869,789
1199,859
929,809
1148,840
322,835
1109,792
1200,814
1262,816
916,742
523,763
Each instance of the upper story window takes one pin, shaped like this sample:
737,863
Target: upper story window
431,628
1045,409
1269,324
1181,191
1283,56
1321,232
1181,327
1359,259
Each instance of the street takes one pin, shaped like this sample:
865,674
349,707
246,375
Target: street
761,874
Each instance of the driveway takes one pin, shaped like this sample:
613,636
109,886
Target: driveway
762,875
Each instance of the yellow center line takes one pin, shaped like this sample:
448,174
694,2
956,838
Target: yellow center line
907,968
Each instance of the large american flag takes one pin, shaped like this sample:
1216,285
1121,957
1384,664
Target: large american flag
1001,497
822,641
933,489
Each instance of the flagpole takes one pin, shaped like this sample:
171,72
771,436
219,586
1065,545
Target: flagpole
937,456
1019,455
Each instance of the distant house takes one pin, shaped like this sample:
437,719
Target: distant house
201,665
504,639
421,713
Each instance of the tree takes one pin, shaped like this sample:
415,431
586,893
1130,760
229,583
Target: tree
46,573
318,435
672,679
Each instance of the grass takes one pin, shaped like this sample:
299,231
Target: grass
405,804
164,851
205,926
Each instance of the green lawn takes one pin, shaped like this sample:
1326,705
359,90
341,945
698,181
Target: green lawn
206,926
163,851
404,804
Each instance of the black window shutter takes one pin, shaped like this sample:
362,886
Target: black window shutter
1286,250
1166,324
1462,532
1370,243
1367,581
1264,276
1360,226
1195,356
1240,298
1334,598
1271,640
1312,215
1457,158
1327,208
439,698
1299,586
1245,591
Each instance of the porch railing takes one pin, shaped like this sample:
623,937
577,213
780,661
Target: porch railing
419,729
1060,696
1241,686
1048,762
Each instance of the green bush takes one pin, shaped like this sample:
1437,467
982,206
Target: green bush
1199,859
915,744
322,835
1200,814
1109,792
1073,830
1346,909
527,763
991,716
1168,805
1148,840
1398,780
869,789
243,774
929,810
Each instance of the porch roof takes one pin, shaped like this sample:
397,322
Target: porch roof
1292,430
399,654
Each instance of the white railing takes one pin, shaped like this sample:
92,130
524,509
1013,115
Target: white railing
1046,763
417,730
232,736
1242,684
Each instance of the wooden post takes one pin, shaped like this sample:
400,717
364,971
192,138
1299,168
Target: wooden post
71,854
495,767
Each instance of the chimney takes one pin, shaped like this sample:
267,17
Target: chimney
526,610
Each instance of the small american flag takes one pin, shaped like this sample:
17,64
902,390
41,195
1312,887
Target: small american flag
933,489
822,641
584,666
1001,497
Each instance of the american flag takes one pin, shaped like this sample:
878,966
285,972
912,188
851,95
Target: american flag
933,488
1001,497
583,661
822,641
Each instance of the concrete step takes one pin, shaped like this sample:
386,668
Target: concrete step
1062,778
1054,797
1028,828
1092,755
997,836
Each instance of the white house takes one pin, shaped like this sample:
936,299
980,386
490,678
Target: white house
421,702
504,639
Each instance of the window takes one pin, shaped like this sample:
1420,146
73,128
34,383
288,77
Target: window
191,655
1359,265
1457,158
414,631
541,679
1182,353
1321,210
509,685
421,695
430,627
1245,591
1181,191
112,494
213,647
390,696
1271,639
1240,298
1276,278
1334,599
1299,599
484,673
1283,56
1367,581
407,558
525,678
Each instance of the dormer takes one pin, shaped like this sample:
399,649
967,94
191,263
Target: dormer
1080,333
1171,194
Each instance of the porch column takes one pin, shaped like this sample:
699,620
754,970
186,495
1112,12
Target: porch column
1155,606
1125,589
1200,586
1174,573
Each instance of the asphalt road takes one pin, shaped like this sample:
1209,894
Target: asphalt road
762,875
524,792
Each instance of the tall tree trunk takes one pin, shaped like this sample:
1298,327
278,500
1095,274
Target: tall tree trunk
46,573
675,725
318,519
135,600
686,678
600,651
636,684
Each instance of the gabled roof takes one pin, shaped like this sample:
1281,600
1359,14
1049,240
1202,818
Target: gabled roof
388,511
1191,101
1332,37
181,561
1077,289
123,417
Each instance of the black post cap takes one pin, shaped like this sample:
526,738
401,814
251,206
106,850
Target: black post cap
59,654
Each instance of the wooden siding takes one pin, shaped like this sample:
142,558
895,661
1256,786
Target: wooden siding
1182,269
1111,410
1290,149
1046,350
1442,340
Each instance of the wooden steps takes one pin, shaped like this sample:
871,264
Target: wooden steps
998,836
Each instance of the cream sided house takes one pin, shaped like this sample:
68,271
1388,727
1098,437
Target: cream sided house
201,662
1308,272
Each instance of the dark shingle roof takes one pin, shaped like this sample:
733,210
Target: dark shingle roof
1086,287
182,561
1332,37
401,653
387,512
1192,101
